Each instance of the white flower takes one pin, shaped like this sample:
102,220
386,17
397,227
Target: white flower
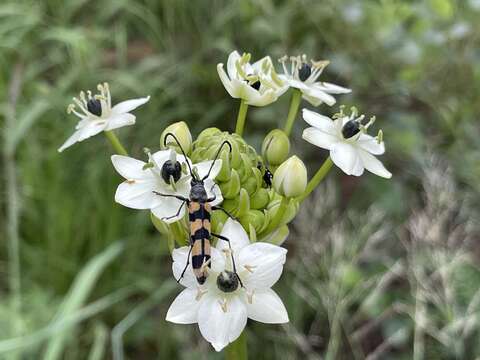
160,175
222,316
351,149
258,83
97,114
303,77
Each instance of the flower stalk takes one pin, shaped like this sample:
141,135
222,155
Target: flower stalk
116,144
242,115
292,113
317,178
237,350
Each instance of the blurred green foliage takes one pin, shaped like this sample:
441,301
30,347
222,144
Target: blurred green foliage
413,64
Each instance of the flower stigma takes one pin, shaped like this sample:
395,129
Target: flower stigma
171,170
94,106
227,281
304,72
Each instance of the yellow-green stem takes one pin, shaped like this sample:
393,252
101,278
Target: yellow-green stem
292,113
116,144
242,115
237,350
317,178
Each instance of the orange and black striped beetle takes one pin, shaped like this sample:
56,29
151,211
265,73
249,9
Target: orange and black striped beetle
199,211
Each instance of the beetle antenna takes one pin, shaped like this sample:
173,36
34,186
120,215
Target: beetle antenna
181,149
216,157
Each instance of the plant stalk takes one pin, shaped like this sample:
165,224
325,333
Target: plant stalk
242,115
116,144
317,178
292,113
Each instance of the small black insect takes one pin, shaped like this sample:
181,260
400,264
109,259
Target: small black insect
267,175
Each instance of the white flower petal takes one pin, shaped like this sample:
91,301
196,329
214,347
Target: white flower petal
204,166
346,157
319,138
297,84
267,307
233,231
213,190
128,105
179,257
137,194
266,262
321,95
264,99
90,129
225,81
257,65
370,144
312,100
321,122
130,168
231,67
70,141
168,209
184,309
372,164
331,88
219,327
120,120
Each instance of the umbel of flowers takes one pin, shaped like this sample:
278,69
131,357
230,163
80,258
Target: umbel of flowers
253,195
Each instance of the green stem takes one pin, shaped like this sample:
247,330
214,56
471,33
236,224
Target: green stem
237,350
277,218
292,113
242,115
116,144
317,178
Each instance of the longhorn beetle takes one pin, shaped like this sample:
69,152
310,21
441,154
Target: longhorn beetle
199,210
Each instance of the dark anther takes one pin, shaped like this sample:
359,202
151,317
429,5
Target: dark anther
351,128
227,281
94,106
256,85
171,168
304,71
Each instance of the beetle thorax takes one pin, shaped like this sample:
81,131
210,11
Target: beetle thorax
198,192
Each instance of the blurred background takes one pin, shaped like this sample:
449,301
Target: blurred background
386,270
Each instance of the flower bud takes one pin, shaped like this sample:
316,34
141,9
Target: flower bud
290,179
181,132
275,147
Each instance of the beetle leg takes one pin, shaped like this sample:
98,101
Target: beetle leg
225,211
179,197
178,212
186,266
231,255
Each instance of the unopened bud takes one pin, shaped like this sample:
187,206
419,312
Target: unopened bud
275,147
290,179
181,132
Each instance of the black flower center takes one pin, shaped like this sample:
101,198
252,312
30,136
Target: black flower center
171,169
351,128
304,72
255,85
94,106
227,281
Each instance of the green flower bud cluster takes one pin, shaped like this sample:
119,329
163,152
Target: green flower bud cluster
247,195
